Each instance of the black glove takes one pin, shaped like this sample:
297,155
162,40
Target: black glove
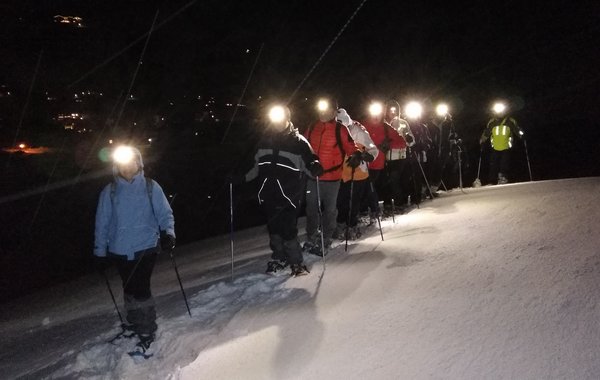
367,157
409,139
384,146
315,169
167,242
102,263
355,159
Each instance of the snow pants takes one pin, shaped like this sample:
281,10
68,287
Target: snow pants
139,304
343,201
376,183
399,180
329,193
499,163
283,232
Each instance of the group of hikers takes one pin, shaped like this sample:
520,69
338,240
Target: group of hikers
338,168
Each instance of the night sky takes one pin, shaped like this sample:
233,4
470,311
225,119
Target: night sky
541,57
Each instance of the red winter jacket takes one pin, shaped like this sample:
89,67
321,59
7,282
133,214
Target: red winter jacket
378,133
322,138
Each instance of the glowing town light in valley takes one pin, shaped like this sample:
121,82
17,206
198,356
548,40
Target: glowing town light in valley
413,110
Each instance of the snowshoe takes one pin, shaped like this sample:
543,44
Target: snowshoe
308,246
299,270
316,250
275,266
125,333
339,231
143,349
354,233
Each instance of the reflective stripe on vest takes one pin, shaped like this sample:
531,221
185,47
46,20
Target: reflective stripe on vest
501,138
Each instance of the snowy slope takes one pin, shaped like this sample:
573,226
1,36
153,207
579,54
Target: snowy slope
497,282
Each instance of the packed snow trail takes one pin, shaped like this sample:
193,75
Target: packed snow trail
500,282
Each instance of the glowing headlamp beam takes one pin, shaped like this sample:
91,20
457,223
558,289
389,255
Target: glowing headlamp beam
123,155
414,110
442,109
375,109
498,107
277,114
322,105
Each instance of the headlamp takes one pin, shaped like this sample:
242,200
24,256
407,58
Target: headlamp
123,155
277,114
322,105
375,109
442,109
413,110
499,108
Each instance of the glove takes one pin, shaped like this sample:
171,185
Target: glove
384,146
315,169
367,157
409,139
167,242
355,159
236,179
102,263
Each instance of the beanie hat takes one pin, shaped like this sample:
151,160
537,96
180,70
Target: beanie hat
343,117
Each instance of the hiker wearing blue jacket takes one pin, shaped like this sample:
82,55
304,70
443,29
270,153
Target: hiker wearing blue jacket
133,222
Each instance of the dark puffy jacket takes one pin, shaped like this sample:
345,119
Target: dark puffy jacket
282,161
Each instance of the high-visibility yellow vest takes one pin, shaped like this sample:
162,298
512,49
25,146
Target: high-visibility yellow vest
501,137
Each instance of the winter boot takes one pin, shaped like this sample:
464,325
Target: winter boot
339,231
354,233
299,270
143,348
502,179
275,266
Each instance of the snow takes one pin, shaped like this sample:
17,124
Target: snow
494,282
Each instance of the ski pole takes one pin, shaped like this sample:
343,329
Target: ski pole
424,177
393,211
527,155
231,225
349,209
180,284
460,180
112,296
477,181
137,263
412,176
321,222
380,229
377,212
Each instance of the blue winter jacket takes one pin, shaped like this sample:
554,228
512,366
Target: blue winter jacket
126,222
